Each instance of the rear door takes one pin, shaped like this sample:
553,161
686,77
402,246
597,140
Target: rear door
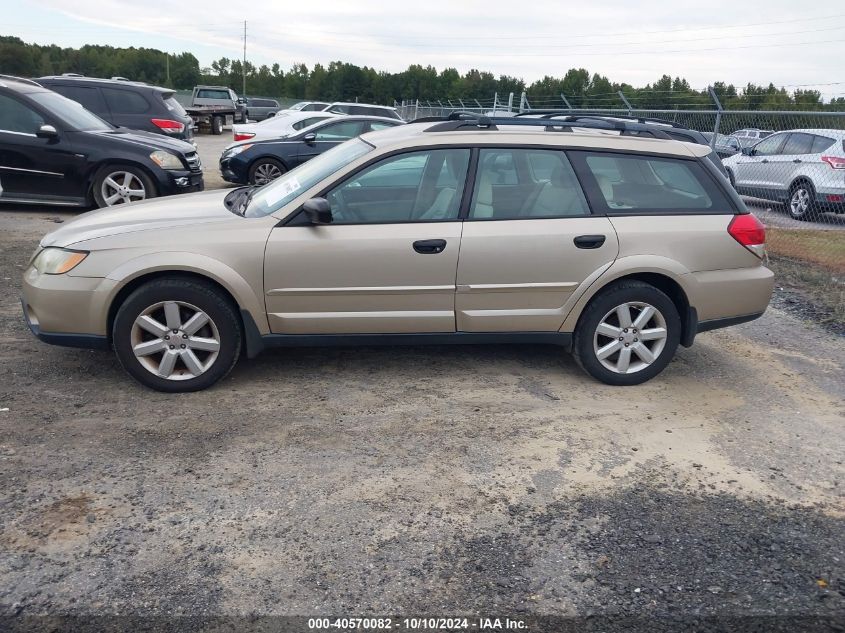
529,242
129,108
754,175
786,165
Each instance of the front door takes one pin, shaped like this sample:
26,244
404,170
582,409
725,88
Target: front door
528,243
756,172
387,261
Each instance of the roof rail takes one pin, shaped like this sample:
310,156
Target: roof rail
454,116
22,80
549,114
72,75
625,128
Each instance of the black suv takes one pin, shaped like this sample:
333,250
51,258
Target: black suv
124,103
54,151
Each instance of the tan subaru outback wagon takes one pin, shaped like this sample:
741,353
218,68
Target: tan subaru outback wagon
617,246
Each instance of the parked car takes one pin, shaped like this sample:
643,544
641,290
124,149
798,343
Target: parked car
725,145
260,109
283,124
803,168
309,106
367,109
125,103
54,151
649,127
260,162
617,248
750,135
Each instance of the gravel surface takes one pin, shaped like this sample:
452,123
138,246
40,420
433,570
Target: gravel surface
489,480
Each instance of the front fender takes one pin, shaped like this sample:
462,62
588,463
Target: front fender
240,289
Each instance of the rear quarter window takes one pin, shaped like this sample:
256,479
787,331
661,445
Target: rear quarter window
125,101
629,183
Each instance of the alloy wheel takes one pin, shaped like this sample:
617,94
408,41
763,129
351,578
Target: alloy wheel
266,172
175,340
630,337
121,187
799,204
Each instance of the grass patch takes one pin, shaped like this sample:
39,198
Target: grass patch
824,248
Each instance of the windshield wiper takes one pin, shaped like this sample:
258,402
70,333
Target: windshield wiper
238,200
245,200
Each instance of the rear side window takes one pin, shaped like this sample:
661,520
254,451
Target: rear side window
90,98
304,123
821,143
627,183
340,131
798,143
125,101
517,184
174,106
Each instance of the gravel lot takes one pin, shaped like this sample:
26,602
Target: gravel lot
488,480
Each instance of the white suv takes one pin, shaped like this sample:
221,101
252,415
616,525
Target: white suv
803,168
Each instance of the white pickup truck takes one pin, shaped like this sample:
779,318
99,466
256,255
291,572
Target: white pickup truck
216,106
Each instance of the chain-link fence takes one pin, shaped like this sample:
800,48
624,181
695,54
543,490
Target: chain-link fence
789,167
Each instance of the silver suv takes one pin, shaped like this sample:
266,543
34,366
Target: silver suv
803,168
616,247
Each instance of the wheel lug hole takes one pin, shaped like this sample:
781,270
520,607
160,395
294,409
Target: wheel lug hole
636,340
183,346
184,336
625,330
172,347
621,338
626,344
166,337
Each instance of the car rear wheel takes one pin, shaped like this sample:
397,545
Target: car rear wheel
627,334
265,170
121,184
802,202
177,335
217,125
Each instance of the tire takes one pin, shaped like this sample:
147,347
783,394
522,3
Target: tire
601,310
111,181
217,125
210,348
265,170
270,115
802,203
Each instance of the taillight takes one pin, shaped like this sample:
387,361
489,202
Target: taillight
834,161
169,126
750,232
243,136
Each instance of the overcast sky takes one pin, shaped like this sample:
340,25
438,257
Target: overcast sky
783,41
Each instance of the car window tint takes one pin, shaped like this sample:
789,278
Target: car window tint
304,123
421,186
16,117
339,131
375,126
125,101
798,143
90,98
820,144
205,93
525,183
628,183
769,146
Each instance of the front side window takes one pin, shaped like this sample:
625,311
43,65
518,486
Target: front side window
90,98
629,183
375,126
340,131
515,184
421,186
798,143
71,112
16,117
770,146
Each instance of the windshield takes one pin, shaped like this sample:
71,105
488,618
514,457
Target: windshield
299,106
70,112
273,196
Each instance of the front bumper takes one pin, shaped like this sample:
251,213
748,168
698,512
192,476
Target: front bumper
231,174
67,310
173,182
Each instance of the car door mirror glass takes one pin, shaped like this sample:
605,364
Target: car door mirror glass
47,131
318,211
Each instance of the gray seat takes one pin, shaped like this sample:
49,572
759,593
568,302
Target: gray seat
560,196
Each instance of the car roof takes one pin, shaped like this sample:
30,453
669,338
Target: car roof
102,80
20,84
822,131
416,135
366,105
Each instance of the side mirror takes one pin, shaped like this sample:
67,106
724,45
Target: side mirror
310,138
747,151
318,211
47,131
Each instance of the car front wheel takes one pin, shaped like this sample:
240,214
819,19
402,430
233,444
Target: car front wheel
121,184
177,335
627,334
265,170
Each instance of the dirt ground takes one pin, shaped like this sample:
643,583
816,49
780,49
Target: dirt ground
479,480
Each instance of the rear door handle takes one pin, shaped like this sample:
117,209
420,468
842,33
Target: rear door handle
589,241
765,160
429,247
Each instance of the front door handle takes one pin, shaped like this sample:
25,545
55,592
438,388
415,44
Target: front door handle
589,241
765,160
797,160
429,247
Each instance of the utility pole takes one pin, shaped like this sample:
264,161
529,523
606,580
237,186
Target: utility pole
243,69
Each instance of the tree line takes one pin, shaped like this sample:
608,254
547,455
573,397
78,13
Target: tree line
341,81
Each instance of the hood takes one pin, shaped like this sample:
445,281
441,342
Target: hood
149,140
192,208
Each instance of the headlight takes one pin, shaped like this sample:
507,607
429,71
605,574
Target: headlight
56,261
234,151
166,160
